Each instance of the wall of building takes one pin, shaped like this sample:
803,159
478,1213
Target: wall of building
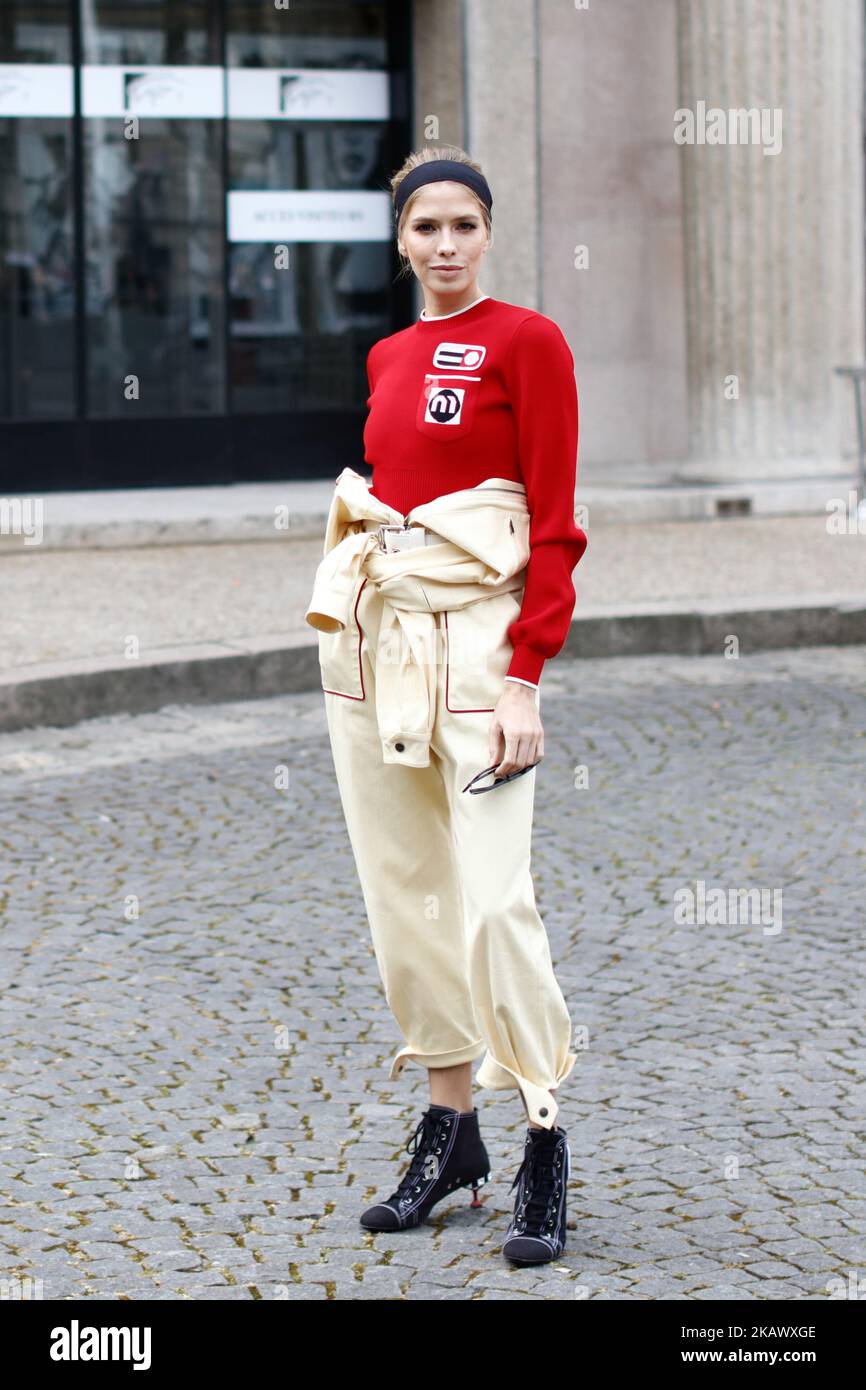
610,180
571,114
722,282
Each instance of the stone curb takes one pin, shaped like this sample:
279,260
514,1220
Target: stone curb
64,693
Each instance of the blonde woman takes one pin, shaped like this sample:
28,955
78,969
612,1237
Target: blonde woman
444,587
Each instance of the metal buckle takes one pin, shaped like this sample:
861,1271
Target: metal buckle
386,526
418,536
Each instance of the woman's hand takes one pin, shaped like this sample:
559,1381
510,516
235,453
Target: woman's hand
516,731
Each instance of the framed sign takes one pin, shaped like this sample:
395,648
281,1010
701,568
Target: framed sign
307,94
36,89
292,215
140,90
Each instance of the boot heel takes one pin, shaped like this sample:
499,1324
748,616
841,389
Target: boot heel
475,1186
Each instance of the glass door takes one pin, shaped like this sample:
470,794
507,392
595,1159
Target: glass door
153,107
196,247
37,258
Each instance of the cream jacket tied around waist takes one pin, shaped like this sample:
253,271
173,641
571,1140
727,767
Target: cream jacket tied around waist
482,555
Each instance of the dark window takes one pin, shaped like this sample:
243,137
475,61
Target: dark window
37,271
300,334
196,239
154,243
151,31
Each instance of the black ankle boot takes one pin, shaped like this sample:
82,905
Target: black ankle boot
536,1232
448,1153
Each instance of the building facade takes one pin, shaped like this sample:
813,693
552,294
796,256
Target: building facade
196,245
708,289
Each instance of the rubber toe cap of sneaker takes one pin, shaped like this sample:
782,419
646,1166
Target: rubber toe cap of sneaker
380,1217
528,1250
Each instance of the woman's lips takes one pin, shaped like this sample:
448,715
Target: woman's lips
449,268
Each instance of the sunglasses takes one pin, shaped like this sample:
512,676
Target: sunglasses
497,782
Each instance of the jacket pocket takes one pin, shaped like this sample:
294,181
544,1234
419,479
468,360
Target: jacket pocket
340,657
478,652
446,406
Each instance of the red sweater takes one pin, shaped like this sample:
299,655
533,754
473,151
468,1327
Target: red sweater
503,405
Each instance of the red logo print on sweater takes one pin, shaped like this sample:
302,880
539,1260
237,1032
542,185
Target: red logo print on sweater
456,355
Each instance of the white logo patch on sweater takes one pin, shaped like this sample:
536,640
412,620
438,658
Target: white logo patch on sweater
457,355
444,405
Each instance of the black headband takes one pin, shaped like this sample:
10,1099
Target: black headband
434,171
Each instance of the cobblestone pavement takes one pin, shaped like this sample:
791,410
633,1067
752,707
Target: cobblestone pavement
196,1099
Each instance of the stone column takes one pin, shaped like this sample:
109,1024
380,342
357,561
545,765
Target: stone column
476,73
773,242
502,74
437,72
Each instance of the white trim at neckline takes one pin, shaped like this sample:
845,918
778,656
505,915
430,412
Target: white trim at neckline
437,318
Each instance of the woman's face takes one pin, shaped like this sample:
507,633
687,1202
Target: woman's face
445,227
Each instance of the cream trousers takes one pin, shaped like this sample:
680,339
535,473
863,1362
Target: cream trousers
462,952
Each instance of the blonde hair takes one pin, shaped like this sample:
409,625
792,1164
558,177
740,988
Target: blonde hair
424,156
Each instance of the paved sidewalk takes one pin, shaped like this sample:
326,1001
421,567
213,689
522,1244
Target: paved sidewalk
246,511
198,1098
226,620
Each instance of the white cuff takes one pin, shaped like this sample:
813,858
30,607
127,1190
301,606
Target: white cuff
520,681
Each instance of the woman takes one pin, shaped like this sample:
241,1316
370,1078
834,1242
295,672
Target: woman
444,588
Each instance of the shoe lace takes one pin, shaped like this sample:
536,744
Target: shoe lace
420,1143
539,1166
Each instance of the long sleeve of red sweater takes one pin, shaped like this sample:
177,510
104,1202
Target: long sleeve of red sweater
539,370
